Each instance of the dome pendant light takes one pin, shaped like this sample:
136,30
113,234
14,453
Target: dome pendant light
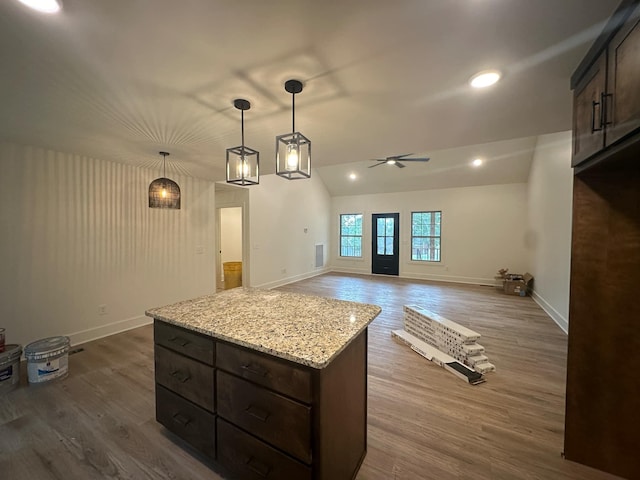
243,163
163,192
293,150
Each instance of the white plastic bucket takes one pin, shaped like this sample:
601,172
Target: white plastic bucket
10,368
47,359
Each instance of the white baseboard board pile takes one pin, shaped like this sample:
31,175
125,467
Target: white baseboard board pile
445,343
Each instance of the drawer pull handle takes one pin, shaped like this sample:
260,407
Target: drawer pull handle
255,370
180,376
257,413
258,467
181,419
179,340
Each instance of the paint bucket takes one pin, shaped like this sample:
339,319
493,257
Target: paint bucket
10,368
47,359
232,274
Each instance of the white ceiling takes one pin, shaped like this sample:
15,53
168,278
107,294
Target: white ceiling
123,79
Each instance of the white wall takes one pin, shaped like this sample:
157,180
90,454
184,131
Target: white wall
288,218
77,233
483,230
549,231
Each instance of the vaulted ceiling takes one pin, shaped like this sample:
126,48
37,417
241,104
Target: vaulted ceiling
123,79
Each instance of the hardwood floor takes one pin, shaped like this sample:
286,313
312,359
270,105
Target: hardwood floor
424,423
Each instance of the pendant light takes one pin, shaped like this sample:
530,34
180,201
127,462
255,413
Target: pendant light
293,150
163,192
243,163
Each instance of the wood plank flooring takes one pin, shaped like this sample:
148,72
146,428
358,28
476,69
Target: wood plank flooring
424,423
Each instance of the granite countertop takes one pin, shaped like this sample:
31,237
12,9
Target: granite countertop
305,329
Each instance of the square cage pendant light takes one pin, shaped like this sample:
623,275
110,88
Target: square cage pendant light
243,163
293,150
164,192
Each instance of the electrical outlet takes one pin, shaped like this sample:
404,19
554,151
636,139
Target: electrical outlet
102,309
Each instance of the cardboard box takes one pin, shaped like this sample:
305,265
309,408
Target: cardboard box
521,285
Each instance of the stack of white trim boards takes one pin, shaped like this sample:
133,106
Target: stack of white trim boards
445,343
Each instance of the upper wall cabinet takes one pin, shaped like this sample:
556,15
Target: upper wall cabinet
606,106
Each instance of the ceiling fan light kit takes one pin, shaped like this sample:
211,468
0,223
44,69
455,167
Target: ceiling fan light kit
293,150
485,78
242,162
397,160
43,6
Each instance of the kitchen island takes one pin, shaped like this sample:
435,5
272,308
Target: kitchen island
268,384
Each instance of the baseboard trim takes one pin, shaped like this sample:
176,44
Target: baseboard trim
451,279
357,271
435,278
102,331
295,278
559,319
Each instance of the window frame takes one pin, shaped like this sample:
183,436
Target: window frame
439,237
340,255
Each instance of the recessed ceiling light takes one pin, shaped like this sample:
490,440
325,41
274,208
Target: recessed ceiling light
353,176
485,79
476,162
44,6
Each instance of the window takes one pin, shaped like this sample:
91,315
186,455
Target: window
351,235
425,236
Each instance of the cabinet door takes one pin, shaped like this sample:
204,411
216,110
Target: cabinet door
190,379
269,416
623,99
191,423
588,128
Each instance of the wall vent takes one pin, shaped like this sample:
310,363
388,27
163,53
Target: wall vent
319,255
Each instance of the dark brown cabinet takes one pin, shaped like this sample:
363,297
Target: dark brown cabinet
588,134
606,95
259,416
603,390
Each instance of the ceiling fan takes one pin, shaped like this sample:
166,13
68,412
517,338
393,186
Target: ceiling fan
396,160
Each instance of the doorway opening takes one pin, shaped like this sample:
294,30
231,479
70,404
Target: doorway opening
230,251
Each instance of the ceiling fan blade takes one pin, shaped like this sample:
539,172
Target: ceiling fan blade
396,157
421,159
398,164
379,159
377,164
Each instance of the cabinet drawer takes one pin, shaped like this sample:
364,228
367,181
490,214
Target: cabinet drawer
185,342
282,422
252,459
192,380
284,377
190,422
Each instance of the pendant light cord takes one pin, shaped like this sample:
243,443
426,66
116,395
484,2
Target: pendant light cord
293,113
164,163
242,128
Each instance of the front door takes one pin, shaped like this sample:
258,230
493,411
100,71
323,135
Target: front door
385,257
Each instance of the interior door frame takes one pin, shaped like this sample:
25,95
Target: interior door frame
385,264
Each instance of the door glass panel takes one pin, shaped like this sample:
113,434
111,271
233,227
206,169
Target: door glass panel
389,246
389,230
384,235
